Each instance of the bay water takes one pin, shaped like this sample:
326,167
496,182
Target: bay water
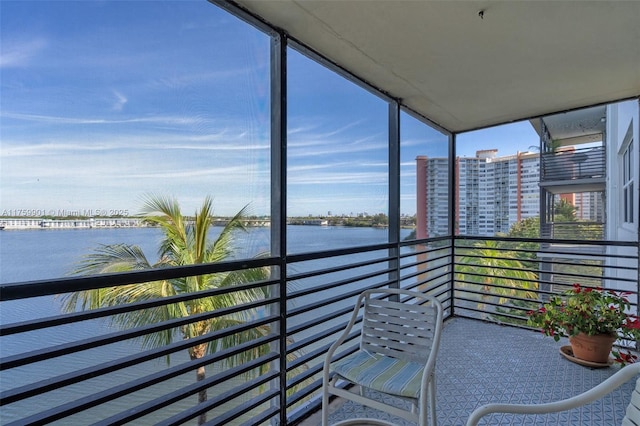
29,255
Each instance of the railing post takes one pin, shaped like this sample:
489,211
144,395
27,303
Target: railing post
453,209
394,193
279,206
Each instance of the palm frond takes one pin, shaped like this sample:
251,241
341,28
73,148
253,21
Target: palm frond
165,212
203,220
113,258
222,247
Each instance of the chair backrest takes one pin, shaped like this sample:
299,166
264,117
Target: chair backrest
632,418
403,330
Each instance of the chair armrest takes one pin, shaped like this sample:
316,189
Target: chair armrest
609,385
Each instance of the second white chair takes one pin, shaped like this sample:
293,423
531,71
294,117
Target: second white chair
632,417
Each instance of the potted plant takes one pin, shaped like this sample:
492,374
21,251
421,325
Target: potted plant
591,317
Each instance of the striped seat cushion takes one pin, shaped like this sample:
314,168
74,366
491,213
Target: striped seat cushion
385,374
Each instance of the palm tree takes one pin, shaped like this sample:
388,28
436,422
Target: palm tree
500,273
184,242
565,211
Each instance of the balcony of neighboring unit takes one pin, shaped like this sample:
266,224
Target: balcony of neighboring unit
573,170
572,152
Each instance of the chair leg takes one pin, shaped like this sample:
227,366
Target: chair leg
432,401
420,409
325,404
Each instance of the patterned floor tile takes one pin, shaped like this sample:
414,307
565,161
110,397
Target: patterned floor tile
482,362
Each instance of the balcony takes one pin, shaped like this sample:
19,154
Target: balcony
113,381
87,366
575,170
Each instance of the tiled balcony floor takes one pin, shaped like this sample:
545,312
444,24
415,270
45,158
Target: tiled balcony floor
481,362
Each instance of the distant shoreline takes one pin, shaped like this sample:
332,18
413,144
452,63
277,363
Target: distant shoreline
48,222
24,223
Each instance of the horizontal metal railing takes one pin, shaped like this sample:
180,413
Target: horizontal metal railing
499,280
493,279
106,378
315,284
581,163
578,229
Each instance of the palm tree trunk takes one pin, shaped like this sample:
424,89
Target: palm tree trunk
195,353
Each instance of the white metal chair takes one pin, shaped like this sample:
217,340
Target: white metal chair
632,417
399,343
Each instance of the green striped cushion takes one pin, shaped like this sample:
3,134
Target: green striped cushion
385,374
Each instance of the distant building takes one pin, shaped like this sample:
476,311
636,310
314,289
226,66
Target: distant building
492,194
432,217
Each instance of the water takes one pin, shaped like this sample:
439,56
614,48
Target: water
44,254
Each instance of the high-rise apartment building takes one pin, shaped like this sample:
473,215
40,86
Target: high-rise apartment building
492,193
432,197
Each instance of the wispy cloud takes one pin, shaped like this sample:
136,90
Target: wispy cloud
131,143
219,172
310,124
197,78
360,178
20,53
121,100
315,150
313,145
316,166
52,119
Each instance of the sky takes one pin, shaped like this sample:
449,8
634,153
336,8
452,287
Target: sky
105,103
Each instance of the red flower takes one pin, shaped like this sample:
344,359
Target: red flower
634,324
625,358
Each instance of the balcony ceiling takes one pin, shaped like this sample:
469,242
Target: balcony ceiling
575,127
463,71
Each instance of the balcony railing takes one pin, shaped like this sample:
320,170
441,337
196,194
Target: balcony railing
501,279
579,229
82,370
575,164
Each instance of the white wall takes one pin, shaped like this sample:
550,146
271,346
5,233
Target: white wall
620,118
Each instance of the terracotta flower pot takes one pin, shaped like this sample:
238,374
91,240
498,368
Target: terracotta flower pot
592,348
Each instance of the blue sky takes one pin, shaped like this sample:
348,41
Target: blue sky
104,103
